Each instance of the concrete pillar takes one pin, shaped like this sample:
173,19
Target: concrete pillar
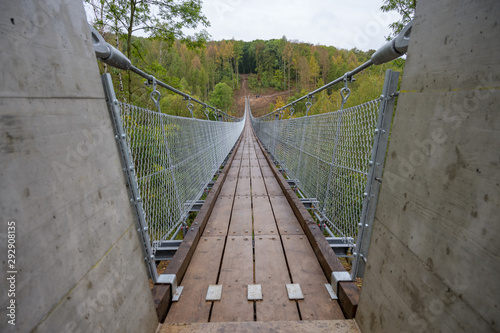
78,258
434,262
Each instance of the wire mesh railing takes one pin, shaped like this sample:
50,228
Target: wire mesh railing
329,155
174,158
168,161
336,159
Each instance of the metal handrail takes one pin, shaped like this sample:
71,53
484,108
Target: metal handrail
388,52
108,54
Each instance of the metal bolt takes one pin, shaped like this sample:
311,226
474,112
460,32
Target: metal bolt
205,239
301,237
218,238
123,136
365,194
145,228
370,163
246,231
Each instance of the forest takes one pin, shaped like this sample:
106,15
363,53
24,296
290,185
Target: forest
214,72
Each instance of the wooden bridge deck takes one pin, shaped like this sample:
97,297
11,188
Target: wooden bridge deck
252,236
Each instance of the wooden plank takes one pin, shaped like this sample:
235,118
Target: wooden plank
162,300
263,219
349,298
272,273
273,187
244,171
326,257
241,217
266,171
235,275
255,171
202,272
258,187
179,263
317,326
218,223
243,187
305,270
285,218
254,162
229,187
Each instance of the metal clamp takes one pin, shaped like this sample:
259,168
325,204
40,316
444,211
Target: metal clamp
345,92
155,95
308,104
339,277
292,110
171,279
190,107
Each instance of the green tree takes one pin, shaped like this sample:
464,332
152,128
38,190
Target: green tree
164,19
406,8
222,96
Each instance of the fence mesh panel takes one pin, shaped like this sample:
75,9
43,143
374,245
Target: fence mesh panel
329,156
175,158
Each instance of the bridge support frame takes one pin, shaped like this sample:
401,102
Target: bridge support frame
129,173
371,193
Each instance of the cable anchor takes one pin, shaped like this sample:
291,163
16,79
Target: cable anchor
345,92
190,107
155,94
308,104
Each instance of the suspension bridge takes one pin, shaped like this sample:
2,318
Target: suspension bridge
252,214
257,250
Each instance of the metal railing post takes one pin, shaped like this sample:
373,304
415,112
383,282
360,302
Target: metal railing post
130,175
374,179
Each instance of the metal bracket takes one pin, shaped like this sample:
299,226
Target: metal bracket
330,291
294,291
339,277
254,292
171,279
214,292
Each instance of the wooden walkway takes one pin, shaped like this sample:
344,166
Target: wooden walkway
252,236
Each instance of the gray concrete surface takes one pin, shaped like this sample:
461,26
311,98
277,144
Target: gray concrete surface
434,262
78,258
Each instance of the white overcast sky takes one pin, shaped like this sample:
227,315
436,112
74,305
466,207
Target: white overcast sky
343,24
